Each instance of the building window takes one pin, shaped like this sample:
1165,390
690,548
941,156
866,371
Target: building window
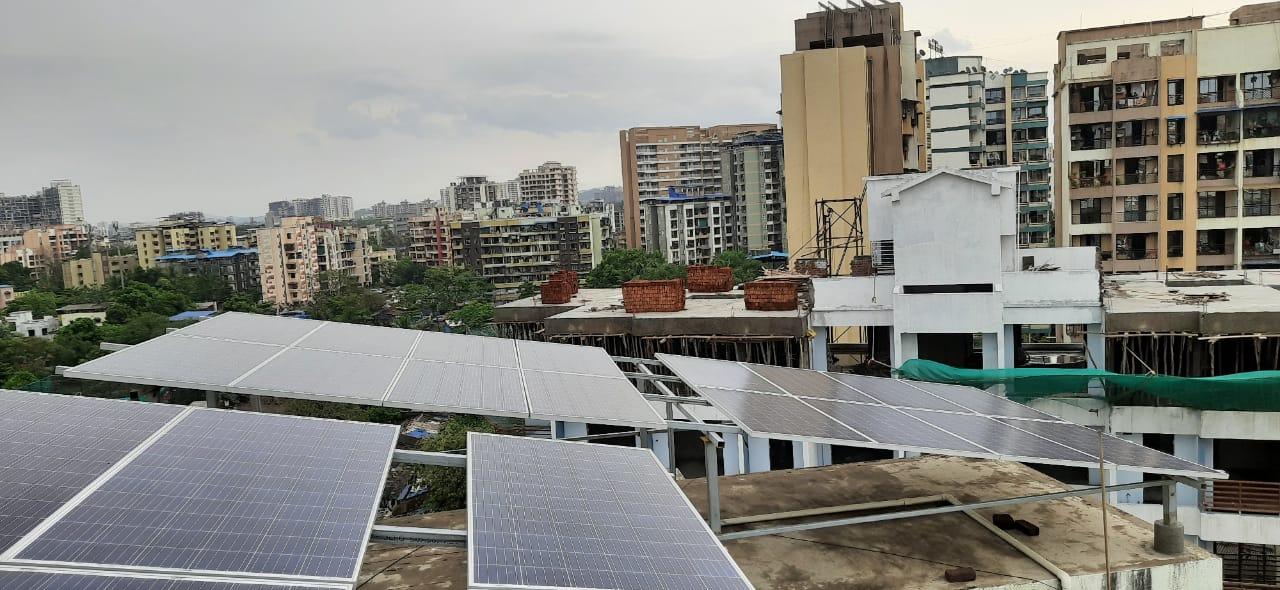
1174,208
1093,55
1174,239
1173,47
1176,131
995,117
1175,168
995,96
1257,202
1035,91
1175,92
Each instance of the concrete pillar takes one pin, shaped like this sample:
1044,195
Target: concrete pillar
991,352
1008,347
797,455
211,399
757,454
1187,446
255,402
572,429
1168,531
1096,343
818,348
660,448
734,458
811,454
906,347
1123,477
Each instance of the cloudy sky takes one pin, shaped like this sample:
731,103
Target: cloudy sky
168,105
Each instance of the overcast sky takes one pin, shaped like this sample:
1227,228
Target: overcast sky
161,106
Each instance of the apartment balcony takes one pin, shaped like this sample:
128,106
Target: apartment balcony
1137,178
1218,210
1090,181
1099,143
1217,136
1241,497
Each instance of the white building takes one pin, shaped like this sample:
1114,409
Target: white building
687,229
69,200
551,183
26,324
950,275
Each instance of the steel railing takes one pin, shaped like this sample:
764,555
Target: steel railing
1241,497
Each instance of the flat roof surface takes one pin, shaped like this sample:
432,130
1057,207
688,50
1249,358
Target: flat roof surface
909,553
608,302
600,311
1203,302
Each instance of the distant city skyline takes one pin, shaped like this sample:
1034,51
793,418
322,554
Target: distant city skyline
158,107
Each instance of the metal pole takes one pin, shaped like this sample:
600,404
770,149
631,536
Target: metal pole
1106,538
713,484
671,440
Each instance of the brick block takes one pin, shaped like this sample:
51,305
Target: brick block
569,277
862,266
710,279
556,292
646,296
767,295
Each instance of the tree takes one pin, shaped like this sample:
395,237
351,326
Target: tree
405,272
136,330
20,379
77,342
335,411
619,266
745,268
472,316
447,288
248,303
342,300
40,303
13,273
527,289
447,486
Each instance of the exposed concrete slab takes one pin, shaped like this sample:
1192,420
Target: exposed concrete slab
910,553
1205,303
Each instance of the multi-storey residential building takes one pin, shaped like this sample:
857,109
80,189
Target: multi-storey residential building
980,118
13,249
59,203
687,229
509,251
98,269
344,250
182,235
1167,150
471,193
851,108
288,262
752,170
237,267
385,210
330,207
611,228
686,158
549,183
54,244
429,240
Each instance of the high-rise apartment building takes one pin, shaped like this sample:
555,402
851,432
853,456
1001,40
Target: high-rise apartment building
980,118
686,158
406,208
1168,142
509,251
429,238
551,183
752,170
237,267
687,229
182,235
472,193
288,261
56,204
611,235
852,97
344,250
54,244
330,207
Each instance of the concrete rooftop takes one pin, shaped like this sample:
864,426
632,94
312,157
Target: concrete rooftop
1205,302
600,311
909,553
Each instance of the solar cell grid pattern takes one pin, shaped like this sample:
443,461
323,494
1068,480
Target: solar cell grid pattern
559,514
372,365
52,446
907,415
28,580
235,492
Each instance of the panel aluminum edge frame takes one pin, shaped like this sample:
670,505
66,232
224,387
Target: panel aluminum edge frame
183,577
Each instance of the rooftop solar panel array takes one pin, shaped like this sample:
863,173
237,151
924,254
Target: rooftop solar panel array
41,580
425,371
555,514
854,410
131,487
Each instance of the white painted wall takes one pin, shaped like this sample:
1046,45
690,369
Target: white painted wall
1219,50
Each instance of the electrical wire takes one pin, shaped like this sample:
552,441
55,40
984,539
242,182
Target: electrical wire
926,560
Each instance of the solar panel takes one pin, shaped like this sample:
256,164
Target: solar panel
233,492
908,416
52,446
371,365
557,514
44,580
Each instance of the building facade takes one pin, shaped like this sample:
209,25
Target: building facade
687,229
611,225
344,250
330,207
980,118
686,158
753,178
852,107
182,235
54,244
429,239
471,193
237,267
551,183
98,269
510,251
59,203
1167,150
289,265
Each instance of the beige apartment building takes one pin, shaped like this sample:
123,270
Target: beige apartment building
1167,151
510,251
98,269
429,238
288,261
182,235
687,158
852,97
345,250
54,244
552,183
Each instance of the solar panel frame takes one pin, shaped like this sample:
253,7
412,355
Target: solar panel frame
1055,453
39,578
286,378
18,554
581,549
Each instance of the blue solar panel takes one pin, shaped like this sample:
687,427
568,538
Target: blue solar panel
32,580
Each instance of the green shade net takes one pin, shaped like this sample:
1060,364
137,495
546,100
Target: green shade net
1257,391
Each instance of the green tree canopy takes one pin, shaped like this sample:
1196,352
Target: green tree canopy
39,302
248,302
447,486
527,289
341,299
745,268
472,316
444,289
13,273
619,266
